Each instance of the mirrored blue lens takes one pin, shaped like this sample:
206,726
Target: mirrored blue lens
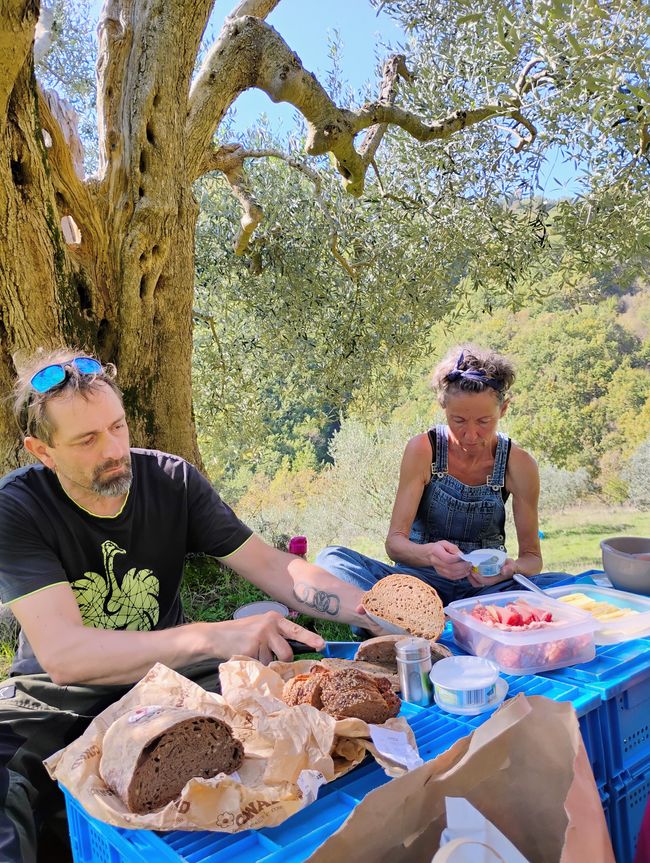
87,365
50,376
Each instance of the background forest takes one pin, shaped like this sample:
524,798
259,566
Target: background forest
581,404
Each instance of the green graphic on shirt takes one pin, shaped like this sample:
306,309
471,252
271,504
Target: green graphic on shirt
106,605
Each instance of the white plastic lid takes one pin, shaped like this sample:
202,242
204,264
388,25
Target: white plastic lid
464,672
260,608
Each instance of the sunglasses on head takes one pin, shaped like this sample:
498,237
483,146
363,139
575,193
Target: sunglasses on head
53,376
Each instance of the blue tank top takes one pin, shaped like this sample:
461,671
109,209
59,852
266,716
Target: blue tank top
470,516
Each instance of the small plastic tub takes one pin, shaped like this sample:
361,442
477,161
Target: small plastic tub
260,608
467,684
486,561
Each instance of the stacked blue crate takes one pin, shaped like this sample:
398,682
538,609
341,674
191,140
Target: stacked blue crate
292,842
620,675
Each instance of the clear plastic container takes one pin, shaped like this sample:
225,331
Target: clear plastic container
620,628
567,640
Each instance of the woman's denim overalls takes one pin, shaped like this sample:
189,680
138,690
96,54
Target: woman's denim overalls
470,516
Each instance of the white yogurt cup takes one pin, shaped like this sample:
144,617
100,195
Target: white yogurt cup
466,684
486,561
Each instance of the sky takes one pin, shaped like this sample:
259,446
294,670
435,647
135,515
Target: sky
308,26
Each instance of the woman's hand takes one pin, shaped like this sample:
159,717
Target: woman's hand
366,623
445,557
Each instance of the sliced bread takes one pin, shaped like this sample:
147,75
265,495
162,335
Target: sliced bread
380,649
344,692
373,669
150,754
408,602
380,652
351,693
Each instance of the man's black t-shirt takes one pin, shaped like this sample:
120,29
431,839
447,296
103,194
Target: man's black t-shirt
125,570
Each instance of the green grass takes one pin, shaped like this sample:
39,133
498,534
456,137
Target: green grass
212,592
572,538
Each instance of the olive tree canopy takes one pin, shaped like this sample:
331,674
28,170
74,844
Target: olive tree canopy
107,260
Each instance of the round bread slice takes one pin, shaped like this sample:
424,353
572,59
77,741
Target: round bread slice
408,602
379,652
148,755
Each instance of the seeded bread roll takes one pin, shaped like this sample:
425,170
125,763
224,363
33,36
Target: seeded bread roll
372,669
150,754
351,693
344,693
380,652
408,602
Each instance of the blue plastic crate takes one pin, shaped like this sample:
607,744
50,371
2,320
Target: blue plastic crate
290,842
620,674
341,649
629,794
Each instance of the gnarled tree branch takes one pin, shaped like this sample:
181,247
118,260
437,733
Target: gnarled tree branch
394,68
229,159
250,53
256,8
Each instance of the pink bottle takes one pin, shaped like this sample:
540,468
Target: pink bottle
298,546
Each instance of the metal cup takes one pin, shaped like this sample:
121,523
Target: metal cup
413,657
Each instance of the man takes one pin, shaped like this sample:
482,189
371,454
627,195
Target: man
92,544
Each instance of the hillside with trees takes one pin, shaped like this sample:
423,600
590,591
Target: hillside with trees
581,405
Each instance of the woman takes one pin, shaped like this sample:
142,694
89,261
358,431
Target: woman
454,482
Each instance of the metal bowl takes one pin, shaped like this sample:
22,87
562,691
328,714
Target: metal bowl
621,562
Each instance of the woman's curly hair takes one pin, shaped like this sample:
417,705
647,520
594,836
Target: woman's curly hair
470,369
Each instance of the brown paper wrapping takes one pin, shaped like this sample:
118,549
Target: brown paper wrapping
525,769
288,751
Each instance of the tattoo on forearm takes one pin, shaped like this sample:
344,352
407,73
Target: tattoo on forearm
325,603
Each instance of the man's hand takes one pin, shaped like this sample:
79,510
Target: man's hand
264,637
444,556
367,623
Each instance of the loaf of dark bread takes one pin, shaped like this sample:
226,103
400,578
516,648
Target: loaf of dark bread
351,693
380,652
150,754
407,602
344,693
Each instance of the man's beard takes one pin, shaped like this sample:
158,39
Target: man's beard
113,486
